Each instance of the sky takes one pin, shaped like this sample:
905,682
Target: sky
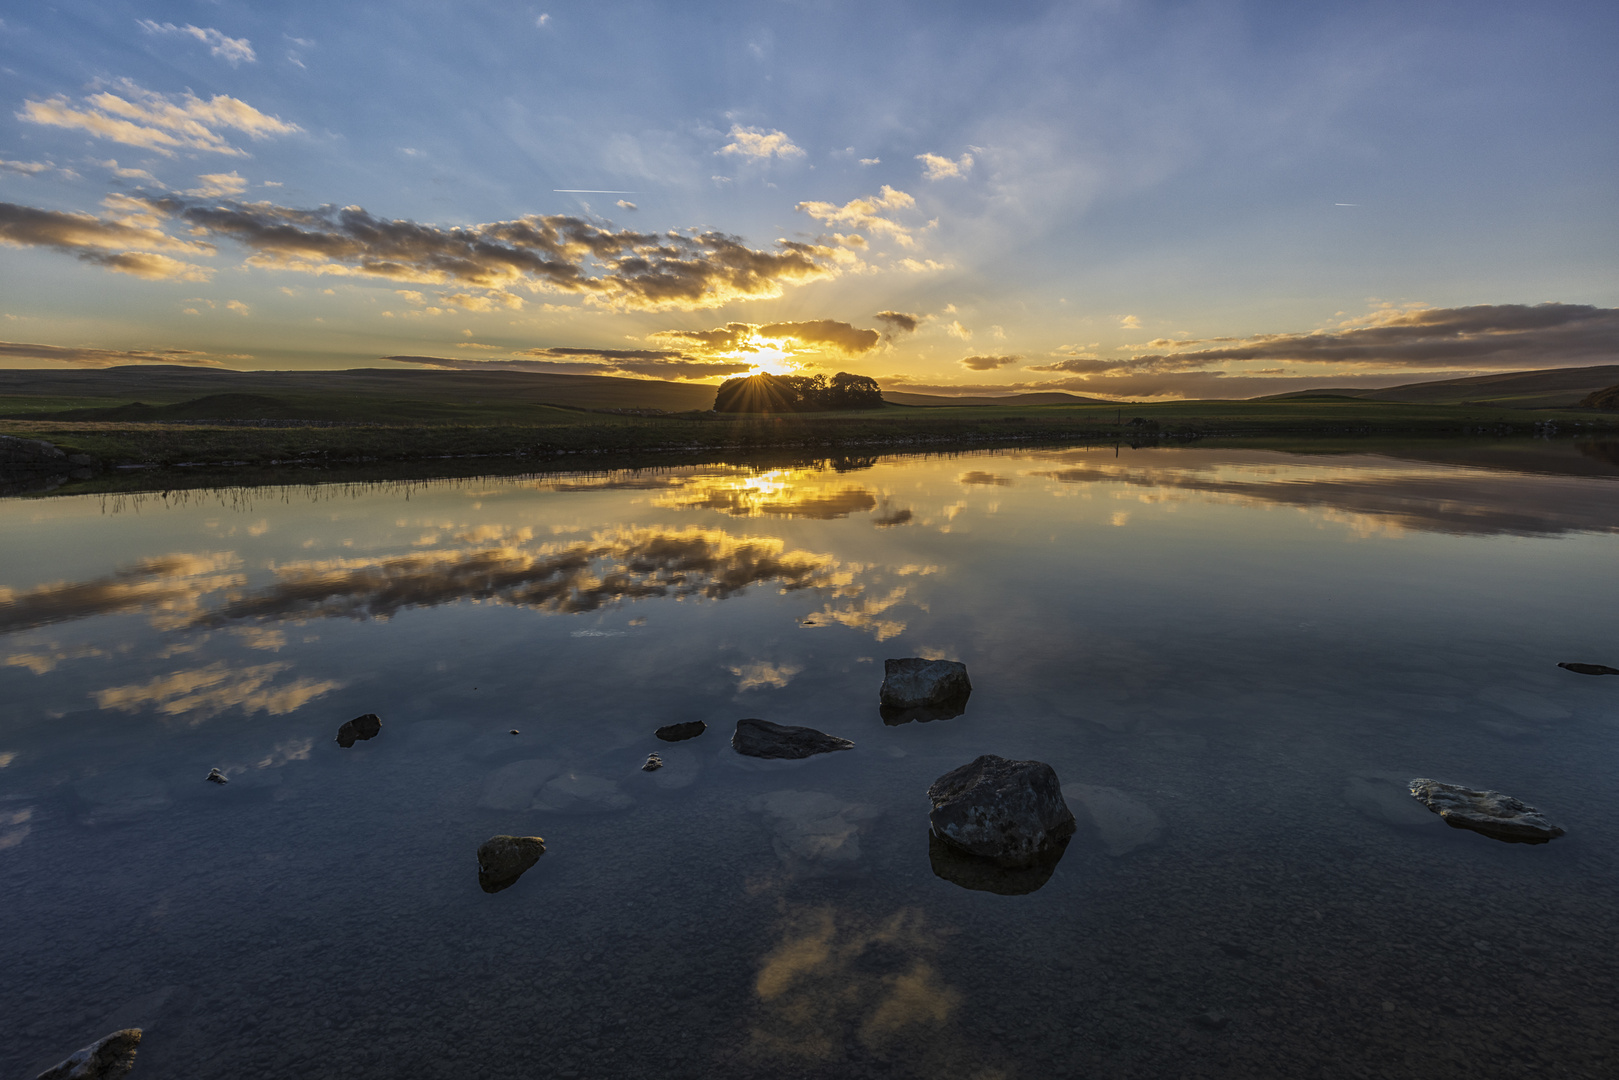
1115,199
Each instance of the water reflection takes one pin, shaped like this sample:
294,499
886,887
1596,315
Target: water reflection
987,875
170,585
203,693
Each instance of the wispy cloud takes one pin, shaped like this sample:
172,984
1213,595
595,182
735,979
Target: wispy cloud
59,354
987,363
866,213
759,144
935,167
26,168
216,185
233,51
159,122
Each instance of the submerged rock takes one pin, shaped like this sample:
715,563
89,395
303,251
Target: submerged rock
504,859
216,777
1498,816
681,732
1590,669
512,786
106,1059
1009,811
762,739
918,689
815,834
986,875
581,793
1122,823
358,730
653,763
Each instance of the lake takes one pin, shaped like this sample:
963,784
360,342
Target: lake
1235,659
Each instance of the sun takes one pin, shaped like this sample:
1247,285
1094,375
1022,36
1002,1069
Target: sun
769,360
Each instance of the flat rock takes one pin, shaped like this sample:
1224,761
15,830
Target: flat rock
504,859
918,689
1590,669
581,793
681,732
1386,797
1498,816
107,1058
653,763
762,739
216,777
995,808
815,834
1122,823
359,729
512,787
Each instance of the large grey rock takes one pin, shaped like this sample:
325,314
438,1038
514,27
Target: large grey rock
359,729
105,1059
1498,816
504,859
512,787
1009,811
918,689
815,834
1122,823
762,739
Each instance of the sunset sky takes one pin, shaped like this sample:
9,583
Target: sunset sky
1111,198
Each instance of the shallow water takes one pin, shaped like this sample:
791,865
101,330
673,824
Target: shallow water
1234,659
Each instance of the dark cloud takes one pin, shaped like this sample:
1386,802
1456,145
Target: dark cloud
986,363
885,519
899,321
742,501
559,253
1486,336
847,339
983,479
644,362
173,584
132,244
105,357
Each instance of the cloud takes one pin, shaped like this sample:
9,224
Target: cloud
866,213
124,173
126,241
59,354
543,21
203,693
759,144
871,161
238,307
232,50
762,673
1130,322
1484,336
739,339
625,269
164,123
593,362
956,330
935,167
172,584
899,321
26,168
839,336
216,185
625,204
987,363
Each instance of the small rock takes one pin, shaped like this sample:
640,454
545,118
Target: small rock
1590,669
762,739
918,689
359,729
1213,1020
516,732
106,1059
1498,816
681,732
216,777
653,763
1009,811
504,859
1122,823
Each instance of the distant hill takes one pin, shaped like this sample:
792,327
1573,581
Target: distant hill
1550,389
940,401
384,394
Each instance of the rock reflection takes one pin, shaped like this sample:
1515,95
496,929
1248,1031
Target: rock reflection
1372,493
836,983
987,875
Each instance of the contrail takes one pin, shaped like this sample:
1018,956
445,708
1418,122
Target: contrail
590,191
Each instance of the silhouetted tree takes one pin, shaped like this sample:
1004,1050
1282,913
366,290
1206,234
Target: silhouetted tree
766,393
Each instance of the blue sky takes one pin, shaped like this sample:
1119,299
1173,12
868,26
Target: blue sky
1124,199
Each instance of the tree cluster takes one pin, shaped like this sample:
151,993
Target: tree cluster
766,393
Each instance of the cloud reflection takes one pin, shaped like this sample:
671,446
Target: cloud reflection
203,693
170,584
1373,494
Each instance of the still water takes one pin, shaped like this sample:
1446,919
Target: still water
1233,659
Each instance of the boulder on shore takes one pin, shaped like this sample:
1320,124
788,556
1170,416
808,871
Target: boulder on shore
762,739
918,689
1009,811
1498,816
1590,669
681,732
105,1059
358,730
504,859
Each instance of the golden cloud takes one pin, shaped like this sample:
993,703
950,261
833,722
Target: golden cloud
759,144
139,117
867,213
127,240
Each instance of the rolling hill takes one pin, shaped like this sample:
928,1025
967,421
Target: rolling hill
1551,389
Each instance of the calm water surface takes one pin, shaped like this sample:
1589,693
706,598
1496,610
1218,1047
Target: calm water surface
1232,658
